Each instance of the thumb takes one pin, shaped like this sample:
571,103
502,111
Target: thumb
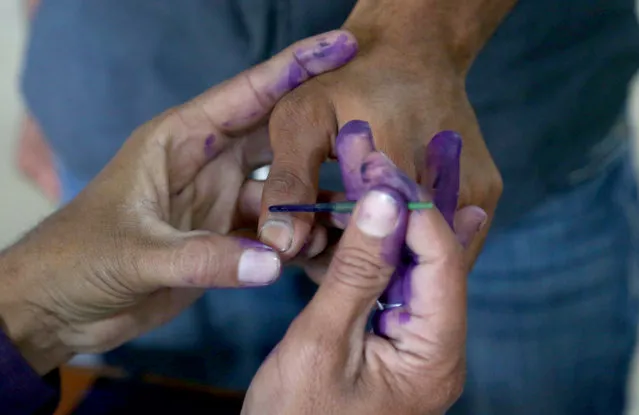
207,260
363,263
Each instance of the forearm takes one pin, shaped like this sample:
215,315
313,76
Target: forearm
455,30
28,326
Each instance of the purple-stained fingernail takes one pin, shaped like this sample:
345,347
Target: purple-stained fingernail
258,264
442,164
353,144
248,243
340,220
379,170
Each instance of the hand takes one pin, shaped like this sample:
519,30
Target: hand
406,97
149,234
35,159
328,364
359,164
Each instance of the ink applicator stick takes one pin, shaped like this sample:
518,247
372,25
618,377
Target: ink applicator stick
338,207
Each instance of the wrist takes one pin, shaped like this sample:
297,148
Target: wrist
31,329
449,33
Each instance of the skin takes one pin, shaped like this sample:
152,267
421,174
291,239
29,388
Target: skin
443,172
157,227
408,81
143,240
355,145
328,363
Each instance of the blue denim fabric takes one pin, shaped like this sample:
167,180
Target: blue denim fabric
552,305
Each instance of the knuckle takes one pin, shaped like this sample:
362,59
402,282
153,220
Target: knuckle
285,181
356,267
287,110
495,185
304,108
196,263
448,390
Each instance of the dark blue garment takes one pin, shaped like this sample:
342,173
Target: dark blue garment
22,390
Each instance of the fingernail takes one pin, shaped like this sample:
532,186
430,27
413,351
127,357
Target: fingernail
340,220
258,267
472,220
278,234
481,217
329,51
378,214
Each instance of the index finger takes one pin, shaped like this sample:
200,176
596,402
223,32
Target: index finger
239,104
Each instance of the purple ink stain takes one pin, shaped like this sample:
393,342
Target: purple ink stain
247,243
442,164
323,56
377,169
209,150
363,169
379,322
403,317
353,144
443,171
326,54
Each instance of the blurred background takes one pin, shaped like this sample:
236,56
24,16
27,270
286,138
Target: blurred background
22,204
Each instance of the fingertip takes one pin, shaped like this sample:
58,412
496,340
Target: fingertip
442,167
289,183
277,232
326,52
285,233
469,221
382,213
258,264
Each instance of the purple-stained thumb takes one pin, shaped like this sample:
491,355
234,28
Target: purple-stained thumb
469,221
